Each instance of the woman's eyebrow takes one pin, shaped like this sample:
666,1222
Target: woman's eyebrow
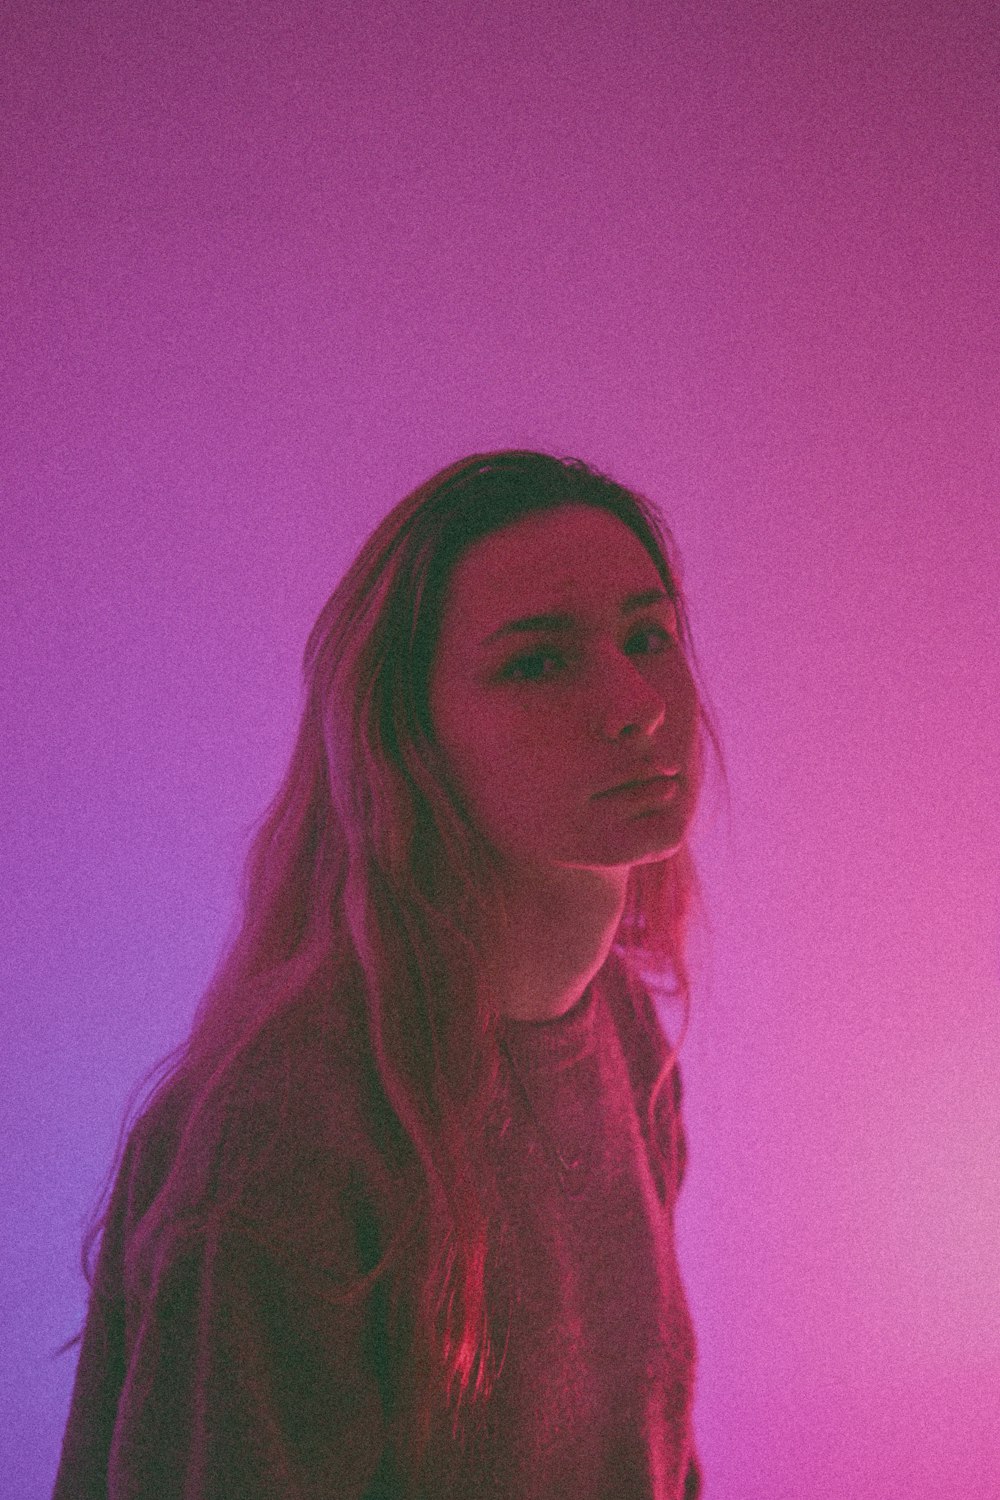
630,604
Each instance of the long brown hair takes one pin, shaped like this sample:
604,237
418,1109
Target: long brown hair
368,884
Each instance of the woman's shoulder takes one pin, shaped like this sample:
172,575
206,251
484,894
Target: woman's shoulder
291,1124
654,1072
635,1014
642,1034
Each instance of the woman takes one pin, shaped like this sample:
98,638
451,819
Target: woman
398,1220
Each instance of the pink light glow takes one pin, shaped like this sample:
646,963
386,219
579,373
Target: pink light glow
267,268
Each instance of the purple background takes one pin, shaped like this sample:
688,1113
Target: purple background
267,266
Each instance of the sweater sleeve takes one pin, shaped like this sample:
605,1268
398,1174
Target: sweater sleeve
693,1478
680,1138
100,1370
236,1378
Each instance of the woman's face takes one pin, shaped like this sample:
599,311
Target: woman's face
537,723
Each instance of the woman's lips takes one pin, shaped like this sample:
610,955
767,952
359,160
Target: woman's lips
665,785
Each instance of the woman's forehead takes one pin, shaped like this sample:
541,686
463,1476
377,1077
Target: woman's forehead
546,558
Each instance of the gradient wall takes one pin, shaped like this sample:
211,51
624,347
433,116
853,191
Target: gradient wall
268,265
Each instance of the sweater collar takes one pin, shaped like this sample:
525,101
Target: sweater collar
558,1043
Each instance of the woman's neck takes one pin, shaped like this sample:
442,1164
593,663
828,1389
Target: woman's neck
559,934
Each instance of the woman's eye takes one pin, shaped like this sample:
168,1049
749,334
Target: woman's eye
516,667
521,668
664,635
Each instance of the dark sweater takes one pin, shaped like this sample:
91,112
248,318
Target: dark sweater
243,1383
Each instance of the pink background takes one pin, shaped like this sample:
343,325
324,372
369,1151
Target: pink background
270,265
